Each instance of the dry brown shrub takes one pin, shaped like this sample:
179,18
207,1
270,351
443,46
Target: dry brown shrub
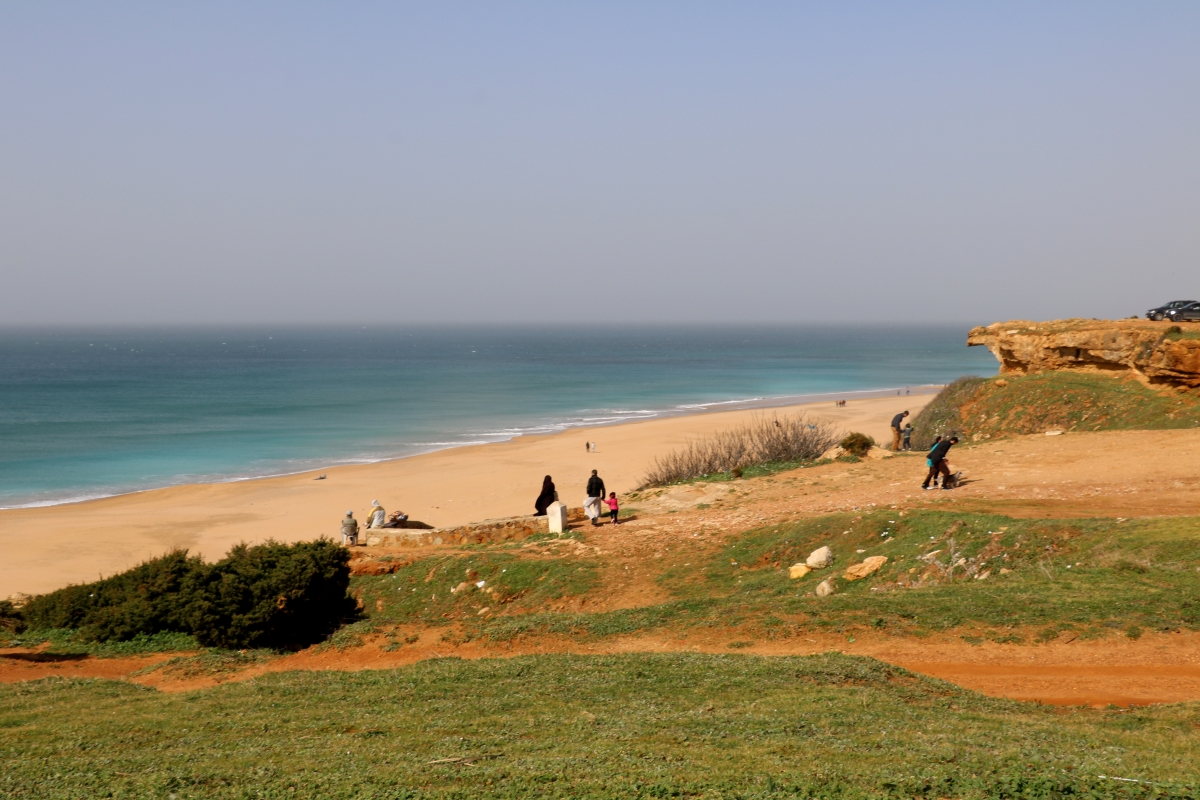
764,440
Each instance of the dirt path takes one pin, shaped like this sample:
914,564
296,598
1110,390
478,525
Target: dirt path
1159,668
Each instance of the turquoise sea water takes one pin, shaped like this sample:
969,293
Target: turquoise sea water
92,413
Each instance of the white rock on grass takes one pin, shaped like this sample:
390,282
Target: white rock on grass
820,558
825,588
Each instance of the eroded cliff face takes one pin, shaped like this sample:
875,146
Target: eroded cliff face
1153,352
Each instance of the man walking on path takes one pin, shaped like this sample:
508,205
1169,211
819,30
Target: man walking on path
937,462
897,422
595,493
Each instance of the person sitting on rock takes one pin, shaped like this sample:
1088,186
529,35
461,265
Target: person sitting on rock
376,516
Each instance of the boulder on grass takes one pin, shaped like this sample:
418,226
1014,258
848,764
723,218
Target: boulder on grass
825,588
820,558
798,571
867,567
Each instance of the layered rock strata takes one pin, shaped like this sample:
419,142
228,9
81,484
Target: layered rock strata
1153,352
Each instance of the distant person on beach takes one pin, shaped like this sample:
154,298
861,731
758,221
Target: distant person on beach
937,463
897,434
908,429
613,507
349,530
545,498
595,495
587,447
376,516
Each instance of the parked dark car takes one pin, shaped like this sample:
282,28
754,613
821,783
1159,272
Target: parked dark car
1163,312
1188,313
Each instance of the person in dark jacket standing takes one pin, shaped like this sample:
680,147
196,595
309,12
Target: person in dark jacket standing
897,432
937,462
545,498
595,495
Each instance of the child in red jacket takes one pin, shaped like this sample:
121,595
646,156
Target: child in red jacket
611,502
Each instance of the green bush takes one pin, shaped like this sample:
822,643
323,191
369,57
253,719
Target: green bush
11,618
270,595
146,599
857,444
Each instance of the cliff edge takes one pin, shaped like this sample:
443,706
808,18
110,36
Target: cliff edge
1156,353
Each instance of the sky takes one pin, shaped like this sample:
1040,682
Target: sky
562,162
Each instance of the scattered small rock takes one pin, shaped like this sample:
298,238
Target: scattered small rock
825,588
1002,383
1054,433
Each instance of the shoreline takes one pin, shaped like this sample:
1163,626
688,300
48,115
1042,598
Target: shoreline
51,546
691,409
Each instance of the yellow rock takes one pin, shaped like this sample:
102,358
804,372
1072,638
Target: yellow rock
799,571
868,566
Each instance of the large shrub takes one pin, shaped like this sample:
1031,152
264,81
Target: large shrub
273,595
11,618
146,599
270,595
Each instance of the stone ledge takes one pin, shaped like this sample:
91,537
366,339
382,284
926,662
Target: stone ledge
507,529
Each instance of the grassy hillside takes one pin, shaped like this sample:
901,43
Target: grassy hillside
1073,401
1090,577
984,576
647,725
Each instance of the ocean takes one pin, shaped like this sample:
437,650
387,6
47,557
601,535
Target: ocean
93,413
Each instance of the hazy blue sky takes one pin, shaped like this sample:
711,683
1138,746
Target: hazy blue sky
349,162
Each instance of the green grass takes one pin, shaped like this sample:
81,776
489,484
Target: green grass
66,641
1071,401
1093,577
1073,574
728,726
421,591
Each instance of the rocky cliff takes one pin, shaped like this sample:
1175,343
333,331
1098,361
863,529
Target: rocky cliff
1153,352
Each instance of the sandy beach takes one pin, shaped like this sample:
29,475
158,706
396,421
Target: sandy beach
46,548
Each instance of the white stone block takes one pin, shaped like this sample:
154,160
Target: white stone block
556,515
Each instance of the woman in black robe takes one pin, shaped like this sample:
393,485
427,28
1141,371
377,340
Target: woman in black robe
545,498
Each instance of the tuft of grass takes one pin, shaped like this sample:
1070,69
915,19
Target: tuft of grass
645,725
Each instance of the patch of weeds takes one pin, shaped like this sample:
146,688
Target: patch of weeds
67,641
349,636
739,645
974,641
440,589
210,663
1133,632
